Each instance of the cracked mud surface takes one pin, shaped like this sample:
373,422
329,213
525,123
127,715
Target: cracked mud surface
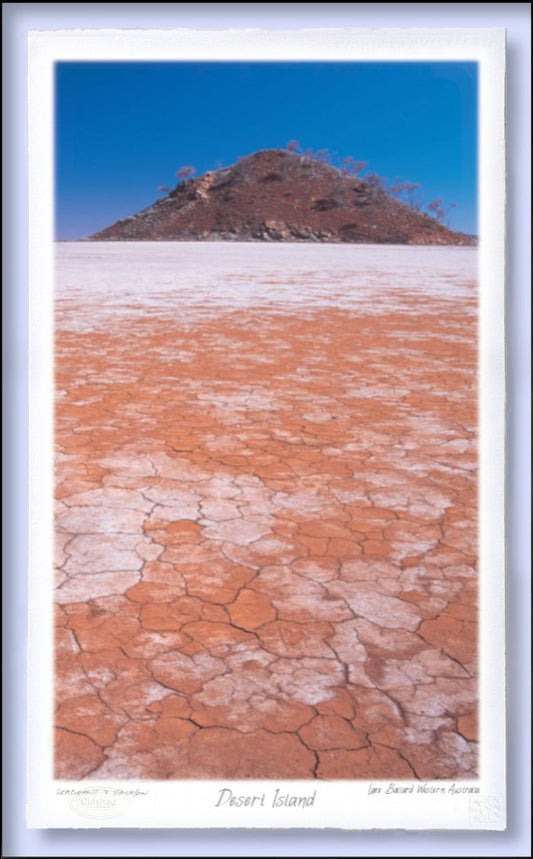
266,515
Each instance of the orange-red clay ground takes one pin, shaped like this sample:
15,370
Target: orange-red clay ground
266,536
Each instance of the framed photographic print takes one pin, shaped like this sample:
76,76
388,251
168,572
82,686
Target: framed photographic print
267,429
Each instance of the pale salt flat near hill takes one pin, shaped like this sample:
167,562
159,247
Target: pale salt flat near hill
266,520
203,278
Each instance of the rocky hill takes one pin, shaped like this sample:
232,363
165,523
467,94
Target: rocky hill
277,195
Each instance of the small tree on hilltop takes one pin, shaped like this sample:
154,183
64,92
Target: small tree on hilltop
347,164
413,198
452,206
374,179
185,173
439,210
397,188
407,191
163,189
324,156
353,166
293,146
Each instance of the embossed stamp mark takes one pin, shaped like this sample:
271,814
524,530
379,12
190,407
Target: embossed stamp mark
99,803
485,809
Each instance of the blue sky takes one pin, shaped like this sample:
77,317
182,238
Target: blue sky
123,129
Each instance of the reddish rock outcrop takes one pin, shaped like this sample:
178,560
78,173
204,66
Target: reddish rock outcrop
279,196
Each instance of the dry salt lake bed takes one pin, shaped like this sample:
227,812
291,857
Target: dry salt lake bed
266,527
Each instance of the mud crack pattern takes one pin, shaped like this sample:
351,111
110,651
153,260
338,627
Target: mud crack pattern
266,529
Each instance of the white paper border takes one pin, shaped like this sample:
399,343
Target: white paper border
342,804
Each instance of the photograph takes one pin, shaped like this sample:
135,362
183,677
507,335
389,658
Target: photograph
266,317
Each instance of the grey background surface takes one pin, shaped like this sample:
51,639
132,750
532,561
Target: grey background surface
18,18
